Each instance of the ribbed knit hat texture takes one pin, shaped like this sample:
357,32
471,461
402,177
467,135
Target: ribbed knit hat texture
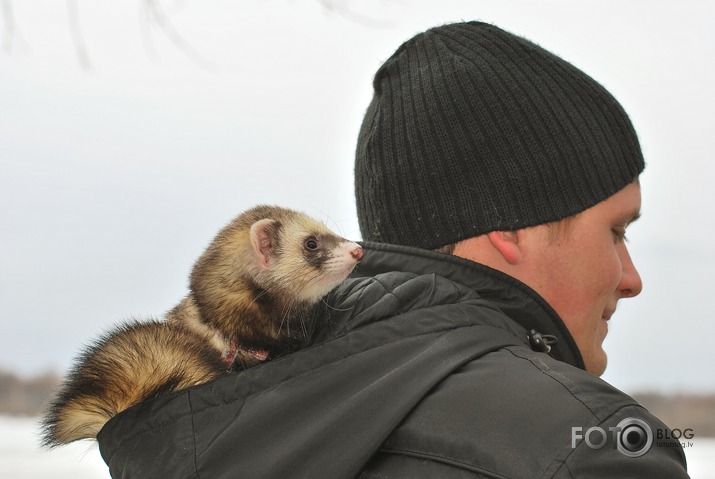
472,129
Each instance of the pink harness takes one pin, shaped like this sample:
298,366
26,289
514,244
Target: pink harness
233,349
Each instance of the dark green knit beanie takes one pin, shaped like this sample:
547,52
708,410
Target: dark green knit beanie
472,129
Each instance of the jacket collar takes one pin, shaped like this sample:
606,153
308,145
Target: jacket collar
511,296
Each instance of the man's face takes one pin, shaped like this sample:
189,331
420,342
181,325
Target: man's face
585,271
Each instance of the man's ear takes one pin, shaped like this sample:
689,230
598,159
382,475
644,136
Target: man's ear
507,243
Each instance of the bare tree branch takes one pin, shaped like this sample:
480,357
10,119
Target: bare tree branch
9,25
11,32
147,38
161,19
341,7
77,36
154,14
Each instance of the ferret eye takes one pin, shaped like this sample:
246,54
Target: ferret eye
311,244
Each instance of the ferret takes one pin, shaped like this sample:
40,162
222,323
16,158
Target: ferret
252,293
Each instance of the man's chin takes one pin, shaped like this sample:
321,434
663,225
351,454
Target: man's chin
597,364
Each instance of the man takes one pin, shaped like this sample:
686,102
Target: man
479,363
481,144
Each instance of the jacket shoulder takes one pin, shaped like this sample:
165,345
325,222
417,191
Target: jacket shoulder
518,413
403,298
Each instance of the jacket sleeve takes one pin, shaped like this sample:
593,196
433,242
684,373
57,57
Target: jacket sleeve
636,444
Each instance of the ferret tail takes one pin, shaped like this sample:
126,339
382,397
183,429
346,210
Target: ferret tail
133,362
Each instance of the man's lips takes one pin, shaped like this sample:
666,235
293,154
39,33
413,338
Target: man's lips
607,314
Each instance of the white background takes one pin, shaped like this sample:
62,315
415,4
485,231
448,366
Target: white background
114,176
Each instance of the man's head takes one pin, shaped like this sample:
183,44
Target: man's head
479,138
472,129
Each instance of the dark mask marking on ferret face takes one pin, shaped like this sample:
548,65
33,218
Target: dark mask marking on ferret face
317,249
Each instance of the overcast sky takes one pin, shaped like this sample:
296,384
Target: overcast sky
119,164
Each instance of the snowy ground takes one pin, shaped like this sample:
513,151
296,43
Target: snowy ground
21,457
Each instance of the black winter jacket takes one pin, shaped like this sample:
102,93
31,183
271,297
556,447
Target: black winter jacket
421,366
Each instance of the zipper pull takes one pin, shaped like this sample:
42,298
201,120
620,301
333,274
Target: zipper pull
541,342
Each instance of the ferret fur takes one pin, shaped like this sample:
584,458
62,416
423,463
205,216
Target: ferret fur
251,297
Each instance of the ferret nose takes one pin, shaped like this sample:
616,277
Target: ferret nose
357,253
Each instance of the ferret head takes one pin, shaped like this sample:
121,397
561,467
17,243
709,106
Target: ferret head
299,256
269,257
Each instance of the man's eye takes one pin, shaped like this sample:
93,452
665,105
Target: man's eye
619,236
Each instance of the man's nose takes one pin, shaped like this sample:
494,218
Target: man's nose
631,284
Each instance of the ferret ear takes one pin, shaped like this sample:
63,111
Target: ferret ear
263,234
